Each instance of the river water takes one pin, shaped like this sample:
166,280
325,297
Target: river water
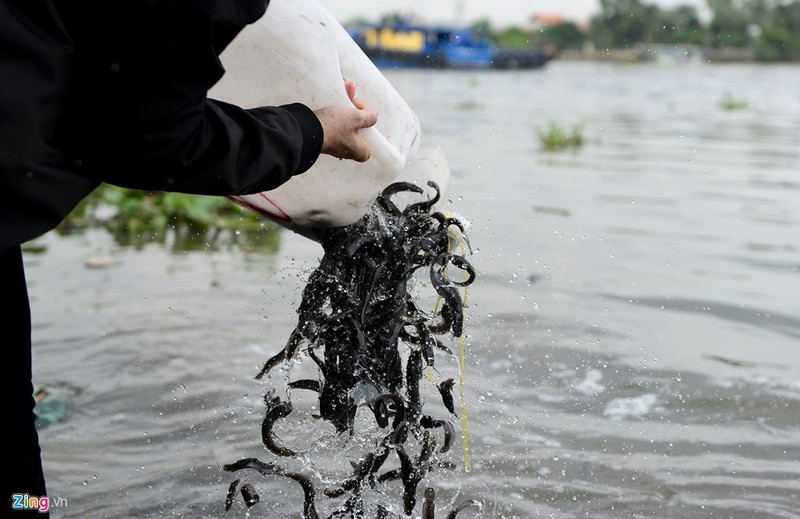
633,335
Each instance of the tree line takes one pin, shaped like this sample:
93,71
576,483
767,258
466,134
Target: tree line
771,28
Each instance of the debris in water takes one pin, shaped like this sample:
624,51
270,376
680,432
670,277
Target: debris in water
357,311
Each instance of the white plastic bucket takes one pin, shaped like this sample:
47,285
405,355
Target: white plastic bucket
299,52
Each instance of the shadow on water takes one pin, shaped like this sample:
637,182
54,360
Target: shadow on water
784,324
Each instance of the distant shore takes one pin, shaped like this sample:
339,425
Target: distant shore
663,53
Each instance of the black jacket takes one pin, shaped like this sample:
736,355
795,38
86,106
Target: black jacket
114,91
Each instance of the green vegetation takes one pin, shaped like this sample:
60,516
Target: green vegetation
556,137
565,35
769,28
729,103
187,222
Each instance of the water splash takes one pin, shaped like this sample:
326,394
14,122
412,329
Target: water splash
361,323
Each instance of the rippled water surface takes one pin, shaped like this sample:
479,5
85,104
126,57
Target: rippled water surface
633,339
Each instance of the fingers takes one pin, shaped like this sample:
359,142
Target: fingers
350,88
356,147
360,151
341,131
368,117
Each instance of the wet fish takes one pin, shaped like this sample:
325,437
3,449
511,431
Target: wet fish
382,410
429,504
356,314
453,305
232,491
276,411
445,388
413,376
384,199
361,470
466,266
427,205
462,506
310,384
270,469
282,356
449,430
410,477
249,495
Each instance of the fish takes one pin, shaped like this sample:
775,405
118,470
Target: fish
463,506
284,355
449,430
277,410
249,495
445,388
429,504
369,340
270,469
232,491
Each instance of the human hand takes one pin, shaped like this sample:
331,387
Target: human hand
341,125
350,88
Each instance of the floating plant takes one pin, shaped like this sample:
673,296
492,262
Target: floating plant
557,137
729,103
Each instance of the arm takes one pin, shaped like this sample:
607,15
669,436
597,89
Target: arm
145,120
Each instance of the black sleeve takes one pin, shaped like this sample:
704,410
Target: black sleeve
38,185
144,121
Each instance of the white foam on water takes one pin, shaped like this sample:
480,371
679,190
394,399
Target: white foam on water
621,408
590,385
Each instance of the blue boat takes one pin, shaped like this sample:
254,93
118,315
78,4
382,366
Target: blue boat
403,44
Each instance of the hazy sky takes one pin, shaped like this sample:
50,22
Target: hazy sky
499,12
